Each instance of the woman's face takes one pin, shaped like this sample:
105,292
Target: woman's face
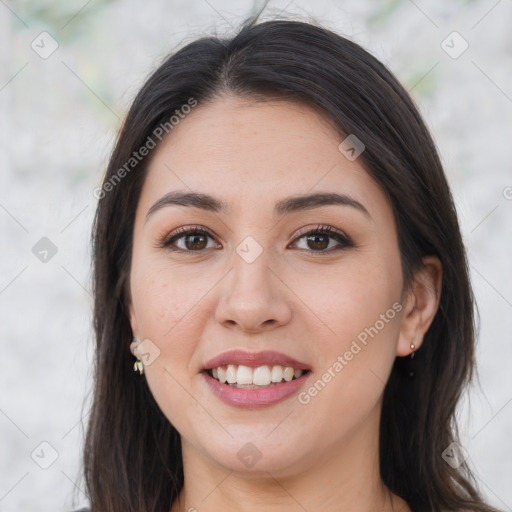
257,283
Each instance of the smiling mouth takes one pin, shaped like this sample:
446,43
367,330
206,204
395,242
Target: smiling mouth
246,377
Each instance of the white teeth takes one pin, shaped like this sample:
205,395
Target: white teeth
261,376
288,374
231,374
277,373
221,374
245,376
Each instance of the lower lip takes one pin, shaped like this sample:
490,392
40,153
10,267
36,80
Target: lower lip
254,398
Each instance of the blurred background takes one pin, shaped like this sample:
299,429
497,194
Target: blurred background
68,72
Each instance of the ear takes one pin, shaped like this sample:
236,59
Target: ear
420,305
133,318
134,326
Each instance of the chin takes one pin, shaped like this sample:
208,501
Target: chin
256,455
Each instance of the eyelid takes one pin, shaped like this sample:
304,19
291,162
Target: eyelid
184,230
343,240
318,227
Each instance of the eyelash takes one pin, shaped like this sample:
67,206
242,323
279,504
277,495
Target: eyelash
343,240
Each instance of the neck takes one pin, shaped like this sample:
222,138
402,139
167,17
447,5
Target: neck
346,478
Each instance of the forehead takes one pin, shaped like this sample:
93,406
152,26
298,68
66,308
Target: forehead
241,150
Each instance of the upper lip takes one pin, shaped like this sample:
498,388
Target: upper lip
254,359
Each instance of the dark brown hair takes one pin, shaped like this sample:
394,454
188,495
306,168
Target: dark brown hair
132,456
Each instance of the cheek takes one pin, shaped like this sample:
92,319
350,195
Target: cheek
164,296
164,310
165,307
359,317
350,297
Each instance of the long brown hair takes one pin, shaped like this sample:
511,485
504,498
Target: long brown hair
132,455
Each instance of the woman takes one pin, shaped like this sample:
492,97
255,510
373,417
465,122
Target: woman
276,244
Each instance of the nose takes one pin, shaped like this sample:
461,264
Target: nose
254,297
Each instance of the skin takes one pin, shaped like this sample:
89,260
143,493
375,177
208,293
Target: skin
322,455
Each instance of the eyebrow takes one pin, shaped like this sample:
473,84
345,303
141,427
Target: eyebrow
285,206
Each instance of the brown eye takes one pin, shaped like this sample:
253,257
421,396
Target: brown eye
187,240
319,239
196,241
